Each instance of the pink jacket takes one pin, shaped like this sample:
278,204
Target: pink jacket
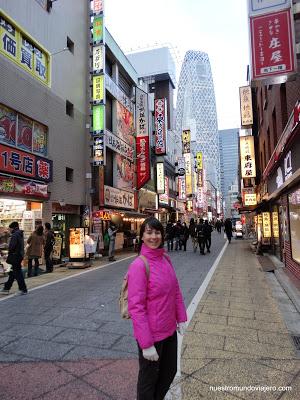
155,305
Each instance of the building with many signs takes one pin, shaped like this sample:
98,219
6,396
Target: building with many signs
43,136
274,191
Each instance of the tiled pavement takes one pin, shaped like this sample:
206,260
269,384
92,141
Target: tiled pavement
236,338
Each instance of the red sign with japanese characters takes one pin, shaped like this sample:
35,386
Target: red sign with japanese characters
272,45
15,186
16,162
143,160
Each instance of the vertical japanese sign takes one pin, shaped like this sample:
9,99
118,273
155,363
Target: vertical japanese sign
199,160
98,59
246,106
160,178
164,197
266,220
272,45
98,30
160,115
98,119
247,157
275,224
181,188
98,89
188,174
98,7
186,142
142,138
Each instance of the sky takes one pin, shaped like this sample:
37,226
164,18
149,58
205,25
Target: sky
218,27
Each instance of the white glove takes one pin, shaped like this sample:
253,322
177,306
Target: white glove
150,354
181,328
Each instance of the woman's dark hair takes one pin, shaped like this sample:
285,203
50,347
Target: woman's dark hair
153,223
39,230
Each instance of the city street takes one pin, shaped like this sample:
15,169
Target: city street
68,337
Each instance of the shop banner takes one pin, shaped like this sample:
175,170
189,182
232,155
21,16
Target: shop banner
181,166
246,106
143,161
27,54
17,162
118,145
186,142
98,151
125,124
97,7
14,186
258,7
188,174
98,58
164,197
199,160
160,177
181,188
266,225
247,157
141,113
123,172
98,29
98,119
275,224
114,89
250,199
200,178
118,198
272,45
98,89
101,215
160,115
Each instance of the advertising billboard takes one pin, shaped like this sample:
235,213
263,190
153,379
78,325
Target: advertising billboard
160,115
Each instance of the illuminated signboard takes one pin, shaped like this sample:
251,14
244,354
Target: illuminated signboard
275,224
266,225
247,157
250,199
160,178
246,106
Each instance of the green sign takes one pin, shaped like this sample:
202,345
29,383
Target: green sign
98,118
98,29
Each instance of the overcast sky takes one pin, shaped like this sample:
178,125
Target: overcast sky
218,27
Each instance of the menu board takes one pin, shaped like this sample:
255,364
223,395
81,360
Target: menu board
77,243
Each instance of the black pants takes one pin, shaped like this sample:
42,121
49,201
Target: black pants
16,273
208,243
184,244
170,244
49,262
36,266
155,377
201,245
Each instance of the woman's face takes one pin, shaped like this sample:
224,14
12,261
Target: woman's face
152,237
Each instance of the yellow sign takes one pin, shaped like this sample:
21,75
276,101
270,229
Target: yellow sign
189,205
275,224
98,88
199,159
188,174
24,51
266,225
247,157
250,199
246,106
259,219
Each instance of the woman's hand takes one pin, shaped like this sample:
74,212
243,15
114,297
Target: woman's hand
150,354
181,328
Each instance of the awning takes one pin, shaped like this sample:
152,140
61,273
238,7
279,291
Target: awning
130,214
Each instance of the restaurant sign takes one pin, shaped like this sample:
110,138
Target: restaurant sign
247,157
118,198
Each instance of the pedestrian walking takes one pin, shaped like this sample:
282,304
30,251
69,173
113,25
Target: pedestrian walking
48,247
170,235
201,236
112,231
14,258
228,229
218,226
34,250
185,235
178,235
157,310
207,235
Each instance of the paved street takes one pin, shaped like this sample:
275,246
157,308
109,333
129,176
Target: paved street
67,340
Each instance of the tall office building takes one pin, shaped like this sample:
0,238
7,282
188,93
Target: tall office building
196,110
229,162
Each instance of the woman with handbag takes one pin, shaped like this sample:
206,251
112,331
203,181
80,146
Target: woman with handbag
15,257
35,249
157,310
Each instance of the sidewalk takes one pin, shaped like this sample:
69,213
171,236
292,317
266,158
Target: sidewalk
61,272
237,337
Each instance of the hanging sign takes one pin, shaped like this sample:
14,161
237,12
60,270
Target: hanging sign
118,198
98,150
199,160
160,115
275,224
181,188
98,58
186,141
98,119
246,106
250,199
164,197
160,178
98,89
143,161
98,30
247,157
266,224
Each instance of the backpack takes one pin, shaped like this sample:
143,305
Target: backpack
123,298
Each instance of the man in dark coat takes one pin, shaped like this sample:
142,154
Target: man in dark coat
170,235
207,235
228,229
200,233
48,246
15,257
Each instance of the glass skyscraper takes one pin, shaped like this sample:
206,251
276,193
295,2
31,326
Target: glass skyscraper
196,110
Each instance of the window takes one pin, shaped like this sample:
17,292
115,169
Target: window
294,212
69,108
69,174
70,45
124,85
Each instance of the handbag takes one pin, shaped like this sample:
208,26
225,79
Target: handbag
12,259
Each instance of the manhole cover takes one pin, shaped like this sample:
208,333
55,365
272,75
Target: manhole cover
296,341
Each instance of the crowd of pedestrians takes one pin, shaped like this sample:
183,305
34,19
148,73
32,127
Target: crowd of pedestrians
178,233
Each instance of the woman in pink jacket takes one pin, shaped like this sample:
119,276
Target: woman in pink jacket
157,310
